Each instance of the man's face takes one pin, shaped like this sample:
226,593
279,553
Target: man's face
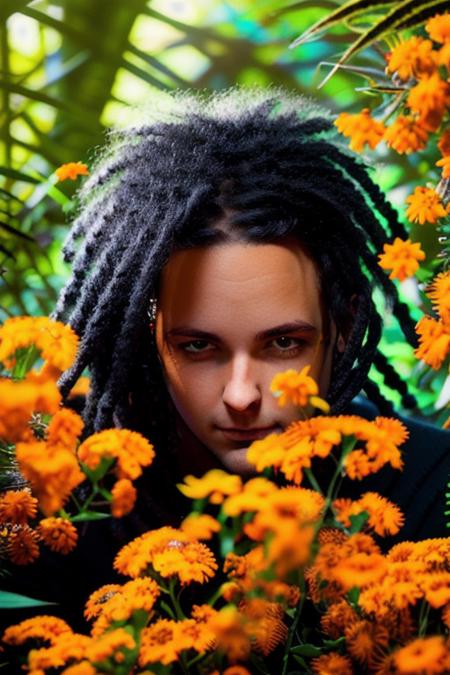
229,318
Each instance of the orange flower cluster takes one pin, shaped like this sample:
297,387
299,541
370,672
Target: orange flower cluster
294,387
215,485
293,450
402,258
71,171
434,334
19,400
52,471
170,553
361,128
130,450
56,341
59,534
384,517
423,67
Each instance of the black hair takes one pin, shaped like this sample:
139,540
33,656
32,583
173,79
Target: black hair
273,165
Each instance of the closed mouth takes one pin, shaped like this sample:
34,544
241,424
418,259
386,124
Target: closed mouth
252,433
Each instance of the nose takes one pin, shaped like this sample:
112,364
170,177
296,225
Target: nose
241,390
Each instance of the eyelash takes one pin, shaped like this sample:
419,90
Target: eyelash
284,353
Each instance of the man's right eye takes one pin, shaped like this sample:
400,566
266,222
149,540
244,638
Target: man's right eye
196,346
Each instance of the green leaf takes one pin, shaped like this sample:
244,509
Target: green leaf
89,515
16,601
14,231
18,175
306,650
333,644
96,474
346,12
358,522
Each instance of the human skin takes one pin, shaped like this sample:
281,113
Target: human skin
215,309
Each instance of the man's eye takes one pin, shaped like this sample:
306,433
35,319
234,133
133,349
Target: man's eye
287,344
196,346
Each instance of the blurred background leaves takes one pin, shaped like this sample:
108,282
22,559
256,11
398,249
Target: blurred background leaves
71,69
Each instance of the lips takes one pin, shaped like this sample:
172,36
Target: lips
248,434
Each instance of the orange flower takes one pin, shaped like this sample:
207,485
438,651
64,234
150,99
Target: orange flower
69,647
425,206
71,170
445,163
200,526
405,135
338,617
361,129
252,498
123,497
57,342
96,601
130,449
17,506
64,429
434,342
429,98
81,668
402,258
439,293
53,472
384,516
267,452
412,58
214,485
188,561
43,627
444,143
110,646
422,655
159,643
81,387
59,534
170,552
18,401
438,28
436,587
228,627
22,545
294,387
264,624
360,569
332,664
364,638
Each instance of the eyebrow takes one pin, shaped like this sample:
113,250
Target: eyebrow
276,331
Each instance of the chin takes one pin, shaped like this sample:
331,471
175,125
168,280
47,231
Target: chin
235,461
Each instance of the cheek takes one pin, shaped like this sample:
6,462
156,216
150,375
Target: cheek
191,387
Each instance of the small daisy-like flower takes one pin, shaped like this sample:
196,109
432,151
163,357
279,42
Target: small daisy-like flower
17,506
64,429
402,258
188,561
422,655
123,498
97,599
160,642
361,128
439,293
406,135
130,449
425,206
214,485
23,546
294,387
71,171
434,342
59,534
438,27
42,627
200,526
445,164
332,664
429,98
412,58
111,646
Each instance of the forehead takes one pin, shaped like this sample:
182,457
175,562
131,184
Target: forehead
245,282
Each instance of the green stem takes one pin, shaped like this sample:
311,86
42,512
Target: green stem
293,627
176,605
423,617
312,479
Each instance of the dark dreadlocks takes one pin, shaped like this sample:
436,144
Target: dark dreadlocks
269,162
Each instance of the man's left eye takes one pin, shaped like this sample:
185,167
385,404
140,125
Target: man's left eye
286,344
